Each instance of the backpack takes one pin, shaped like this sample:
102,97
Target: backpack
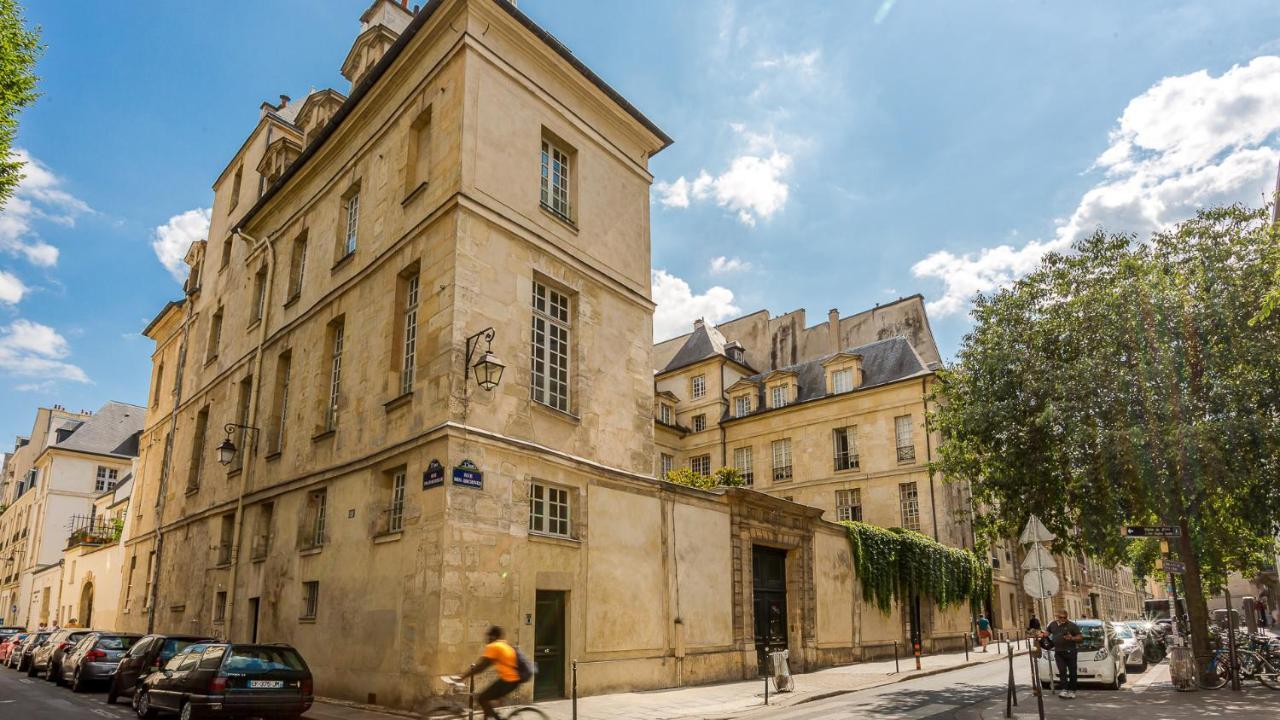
525,667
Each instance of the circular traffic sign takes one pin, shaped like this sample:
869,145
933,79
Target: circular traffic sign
1040,584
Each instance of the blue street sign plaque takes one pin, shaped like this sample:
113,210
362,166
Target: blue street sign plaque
468,475
434,476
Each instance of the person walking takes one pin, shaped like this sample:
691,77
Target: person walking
984,631
1064,635
1034,625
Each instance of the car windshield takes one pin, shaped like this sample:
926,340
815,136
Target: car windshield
250,660
116,642
173,646
1092,637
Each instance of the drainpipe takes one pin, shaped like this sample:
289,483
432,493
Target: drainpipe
724,409
154,571
251,450
928,453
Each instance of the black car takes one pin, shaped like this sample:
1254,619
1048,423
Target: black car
95,658
47,659
20,658
228,680
146,656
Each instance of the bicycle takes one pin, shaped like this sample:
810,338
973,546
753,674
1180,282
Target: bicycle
455,703
1250,665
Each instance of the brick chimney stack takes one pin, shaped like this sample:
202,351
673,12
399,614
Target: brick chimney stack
833,330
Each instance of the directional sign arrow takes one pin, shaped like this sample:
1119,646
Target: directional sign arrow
1174,566
1035,532
1038,558
1160,531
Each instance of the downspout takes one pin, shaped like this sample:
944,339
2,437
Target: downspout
724,410
928,453
153,595
251,450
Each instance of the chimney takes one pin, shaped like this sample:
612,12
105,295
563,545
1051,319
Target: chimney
284,100
697,324
833,330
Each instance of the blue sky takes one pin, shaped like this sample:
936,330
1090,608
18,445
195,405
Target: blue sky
827,155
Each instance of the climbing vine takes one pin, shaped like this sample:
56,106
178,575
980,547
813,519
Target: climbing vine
894,563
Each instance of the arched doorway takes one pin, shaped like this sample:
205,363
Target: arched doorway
86,606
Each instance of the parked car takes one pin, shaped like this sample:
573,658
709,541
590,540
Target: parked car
1132,649
21,658
7,645
95,658
7,630
1152,637
47,659
1098,656
146,656
228,680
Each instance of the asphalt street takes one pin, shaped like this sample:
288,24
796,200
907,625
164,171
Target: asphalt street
24,698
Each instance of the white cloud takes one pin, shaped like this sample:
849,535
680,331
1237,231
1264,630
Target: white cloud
39,197
753,186
805,63
29,349
172,240
678,307
11,288
1187,142
724,265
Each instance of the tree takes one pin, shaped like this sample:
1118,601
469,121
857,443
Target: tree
1123,383
19,48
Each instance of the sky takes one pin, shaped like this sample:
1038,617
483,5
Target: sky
838,154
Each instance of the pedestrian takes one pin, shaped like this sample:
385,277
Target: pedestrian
984,631
1033,626
1064,635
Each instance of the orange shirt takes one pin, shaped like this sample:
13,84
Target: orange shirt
503,658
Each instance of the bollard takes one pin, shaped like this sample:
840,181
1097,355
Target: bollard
1013,685
915,649
575,689
1035,682
766,689
896,669
471,700
968,640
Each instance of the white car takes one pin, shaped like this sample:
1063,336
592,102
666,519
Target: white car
1132,648
1098,657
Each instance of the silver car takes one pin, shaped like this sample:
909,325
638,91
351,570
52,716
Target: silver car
1132,648
95,658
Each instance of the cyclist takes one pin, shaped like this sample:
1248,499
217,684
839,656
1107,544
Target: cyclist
499,654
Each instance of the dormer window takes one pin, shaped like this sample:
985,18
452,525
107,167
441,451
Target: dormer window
842,380
780,395
666,415
844,372
742,406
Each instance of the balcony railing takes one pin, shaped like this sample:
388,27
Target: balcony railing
907,453
93,531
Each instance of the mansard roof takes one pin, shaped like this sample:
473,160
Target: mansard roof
113,430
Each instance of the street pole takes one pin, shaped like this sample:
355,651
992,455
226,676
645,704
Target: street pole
1231,642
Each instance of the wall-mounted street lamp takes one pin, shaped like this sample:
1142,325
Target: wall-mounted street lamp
227,450
488,369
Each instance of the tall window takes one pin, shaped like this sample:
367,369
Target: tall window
395,513
197,449
297,266
335,375
319,502
665,463
155,399
665,416
284,370
418,163
128,584
844,442
262,534
259,295
409,325
556,166
842,380
742,406
551,325
226,253
215,335
700,464
310,599
742,461
699,422
146,590
548,510
220,606
106,479
698,386
352,224
902,432
782,460
909,501
245,398
235,187
780,395
849,504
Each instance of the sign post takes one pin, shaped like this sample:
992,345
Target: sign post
1041,583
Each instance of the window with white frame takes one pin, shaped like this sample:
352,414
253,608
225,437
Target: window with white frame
409,328
284,370
699,422
842,380
742,461
849,504
780,395
665,414
297,266
845,447
310,599
319,502
665,463
698,387
352,224
909,500
555,180
395,513
548,510
335,375
106,479
549,383
782,460
742,406
905,443
700,464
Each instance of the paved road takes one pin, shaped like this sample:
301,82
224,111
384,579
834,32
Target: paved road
27,698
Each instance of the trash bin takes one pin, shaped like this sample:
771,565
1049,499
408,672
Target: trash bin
780,669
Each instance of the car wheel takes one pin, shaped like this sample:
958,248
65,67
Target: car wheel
111,692
31,669
77,683
187,713
57,677
142,705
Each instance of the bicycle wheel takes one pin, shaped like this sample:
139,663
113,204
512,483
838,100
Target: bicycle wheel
1267,674
1214,674
528,713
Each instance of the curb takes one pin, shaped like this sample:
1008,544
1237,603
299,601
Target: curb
910,675
366,707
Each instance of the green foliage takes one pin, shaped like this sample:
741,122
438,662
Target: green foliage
724,477
1141,555
19,48
893,563
1271,301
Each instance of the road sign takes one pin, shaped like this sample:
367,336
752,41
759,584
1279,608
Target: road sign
1038,559
1157,531
1173,566
1040,584
1035,532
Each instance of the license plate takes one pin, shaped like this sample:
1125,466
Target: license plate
266,684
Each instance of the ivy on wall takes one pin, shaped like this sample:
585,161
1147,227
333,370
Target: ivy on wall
896,564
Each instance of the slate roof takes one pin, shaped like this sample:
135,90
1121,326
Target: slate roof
884,361
113,430
704,342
